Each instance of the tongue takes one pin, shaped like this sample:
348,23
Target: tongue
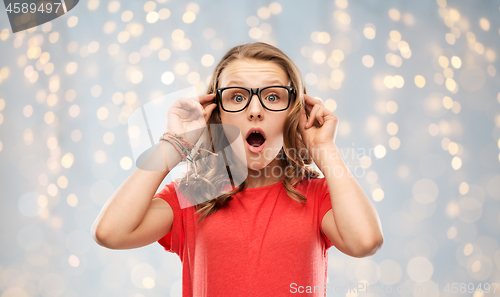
255,139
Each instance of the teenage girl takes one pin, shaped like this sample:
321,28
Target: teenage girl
268,236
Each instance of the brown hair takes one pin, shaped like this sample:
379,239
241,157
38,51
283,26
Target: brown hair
295,157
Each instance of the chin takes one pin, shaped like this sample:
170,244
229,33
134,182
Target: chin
257,165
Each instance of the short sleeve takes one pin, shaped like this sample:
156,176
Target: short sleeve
171,241
325,206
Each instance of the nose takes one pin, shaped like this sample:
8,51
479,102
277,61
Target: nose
255,109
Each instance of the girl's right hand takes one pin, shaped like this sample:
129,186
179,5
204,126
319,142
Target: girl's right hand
188,117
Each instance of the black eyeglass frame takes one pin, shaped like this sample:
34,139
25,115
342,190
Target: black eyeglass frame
256,91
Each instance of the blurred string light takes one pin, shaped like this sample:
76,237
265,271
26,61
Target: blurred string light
60,114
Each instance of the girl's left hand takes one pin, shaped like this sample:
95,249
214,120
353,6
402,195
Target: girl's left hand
320,129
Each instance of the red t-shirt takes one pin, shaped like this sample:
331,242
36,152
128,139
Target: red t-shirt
263,244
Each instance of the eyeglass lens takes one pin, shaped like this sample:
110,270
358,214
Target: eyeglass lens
274,98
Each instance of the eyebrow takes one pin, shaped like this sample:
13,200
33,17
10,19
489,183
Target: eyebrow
270,83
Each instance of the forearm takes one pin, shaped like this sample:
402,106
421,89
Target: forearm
355,216
127,206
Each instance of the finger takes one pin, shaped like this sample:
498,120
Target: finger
200,109
208,110
302,120
212,106
308,100
309,109
311,100
319,116
187,103
184,105
312,116
197,109
206,98
208,103
192,107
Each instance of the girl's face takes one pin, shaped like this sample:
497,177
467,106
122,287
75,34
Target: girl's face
256,74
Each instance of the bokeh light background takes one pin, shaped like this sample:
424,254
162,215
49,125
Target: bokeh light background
414,84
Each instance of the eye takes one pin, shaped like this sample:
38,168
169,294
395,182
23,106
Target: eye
272,98
238,98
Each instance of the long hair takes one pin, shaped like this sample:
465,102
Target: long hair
295,160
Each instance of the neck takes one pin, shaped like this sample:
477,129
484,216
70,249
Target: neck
266,176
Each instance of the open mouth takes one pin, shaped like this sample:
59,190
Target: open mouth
255,139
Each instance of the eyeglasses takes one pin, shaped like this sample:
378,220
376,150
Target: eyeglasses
234,99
